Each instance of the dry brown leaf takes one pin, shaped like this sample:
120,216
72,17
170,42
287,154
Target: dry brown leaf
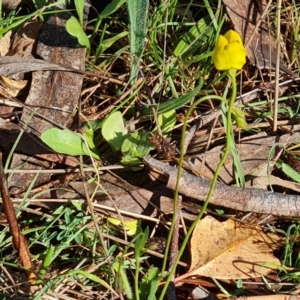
260,45
231,251
147,198
260,181
5,42
253,152
228,250
22,44
14,87
25,39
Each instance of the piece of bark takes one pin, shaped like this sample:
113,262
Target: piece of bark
248,200
54,94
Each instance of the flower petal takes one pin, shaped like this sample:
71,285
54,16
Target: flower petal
237,55
233,37
229,52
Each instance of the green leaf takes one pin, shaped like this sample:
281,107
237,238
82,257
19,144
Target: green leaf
105,44
47,261
167,120
140,241
89,137
91,277
114,131
191,41
174,103
77,205
66,142
75,29
138,12
135,146
111,8
150,283
22,20
79,4
290,172
122,284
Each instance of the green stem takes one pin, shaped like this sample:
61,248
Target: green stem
231,74
181,158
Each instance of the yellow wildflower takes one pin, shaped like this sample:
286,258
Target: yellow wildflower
229,52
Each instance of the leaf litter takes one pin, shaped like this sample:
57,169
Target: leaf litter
222,250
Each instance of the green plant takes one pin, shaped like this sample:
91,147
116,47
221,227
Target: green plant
132,145
229,63
75,27
146,287
146,280
105,43
291,257
67,142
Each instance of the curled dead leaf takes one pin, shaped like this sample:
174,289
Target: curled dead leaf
14,87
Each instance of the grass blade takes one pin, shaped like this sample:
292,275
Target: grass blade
138,11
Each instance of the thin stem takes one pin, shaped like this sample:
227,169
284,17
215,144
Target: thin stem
275,120
176,194
231,74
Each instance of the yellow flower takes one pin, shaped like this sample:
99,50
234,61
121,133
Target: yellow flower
229,52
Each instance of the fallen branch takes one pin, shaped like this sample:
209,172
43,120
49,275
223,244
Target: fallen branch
250,200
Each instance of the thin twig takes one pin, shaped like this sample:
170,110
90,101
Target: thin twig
18,238
278,10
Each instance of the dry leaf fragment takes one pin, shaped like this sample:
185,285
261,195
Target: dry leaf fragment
253,152
260,45
22,44
14,87
228,250
25,40
5,42
10,4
